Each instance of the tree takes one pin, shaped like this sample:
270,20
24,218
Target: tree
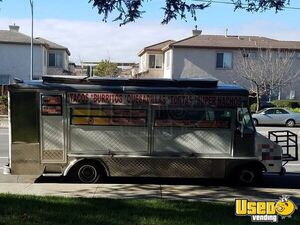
106,68
269,71
130,10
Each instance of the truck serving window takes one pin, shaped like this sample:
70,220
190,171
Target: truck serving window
108,117
193,118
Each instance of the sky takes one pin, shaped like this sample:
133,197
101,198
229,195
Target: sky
77,25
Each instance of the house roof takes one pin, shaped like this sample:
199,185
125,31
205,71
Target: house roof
156,47
53,45
221,41
13,37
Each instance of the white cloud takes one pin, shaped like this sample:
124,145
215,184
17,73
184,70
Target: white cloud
93,41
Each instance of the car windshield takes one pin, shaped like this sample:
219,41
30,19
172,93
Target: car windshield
245,120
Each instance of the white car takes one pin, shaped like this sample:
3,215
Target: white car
276,116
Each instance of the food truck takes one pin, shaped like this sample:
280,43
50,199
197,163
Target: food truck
88,128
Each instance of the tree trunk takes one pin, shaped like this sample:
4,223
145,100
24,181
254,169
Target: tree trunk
270,95
257,98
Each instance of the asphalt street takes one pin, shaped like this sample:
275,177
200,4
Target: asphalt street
291,166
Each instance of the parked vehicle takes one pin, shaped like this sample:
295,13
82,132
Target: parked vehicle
276,116
264,105
89,128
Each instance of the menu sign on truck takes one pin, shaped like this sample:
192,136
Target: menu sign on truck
155,99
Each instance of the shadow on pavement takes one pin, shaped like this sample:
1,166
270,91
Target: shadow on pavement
290,181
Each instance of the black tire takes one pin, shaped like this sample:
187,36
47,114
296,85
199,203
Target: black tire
290,123
247,175
87,172
255,122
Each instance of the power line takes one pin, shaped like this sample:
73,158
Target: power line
232,3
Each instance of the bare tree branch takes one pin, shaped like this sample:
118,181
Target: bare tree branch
269,71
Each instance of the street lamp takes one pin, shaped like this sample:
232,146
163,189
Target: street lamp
31,46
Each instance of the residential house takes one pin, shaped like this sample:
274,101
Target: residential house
211,56
15,48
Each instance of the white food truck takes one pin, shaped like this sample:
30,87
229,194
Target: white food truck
90,128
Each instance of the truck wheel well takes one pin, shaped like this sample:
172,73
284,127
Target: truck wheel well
100,165
252,164
247,173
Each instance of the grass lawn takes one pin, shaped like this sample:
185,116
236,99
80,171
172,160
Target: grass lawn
19,210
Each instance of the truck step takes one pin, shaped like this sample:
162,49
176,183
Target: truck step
52,174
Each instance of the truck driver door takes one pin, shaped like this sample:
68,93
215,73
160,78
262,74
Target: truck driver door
244,135
52,128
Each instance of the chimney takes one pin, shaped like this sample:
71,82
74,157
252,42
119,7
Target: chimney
197,32
14,28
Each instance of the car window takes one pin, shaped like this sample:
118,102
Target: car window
270,111
281,111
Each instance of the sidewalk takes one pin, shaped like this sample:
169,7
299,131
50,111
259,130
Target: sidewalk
175,192
24,185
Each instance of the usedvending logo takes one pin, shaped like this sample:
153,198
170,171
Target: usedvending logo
265,211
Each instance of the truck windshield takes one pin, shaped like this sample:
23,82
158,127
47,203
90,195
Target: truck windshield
245,120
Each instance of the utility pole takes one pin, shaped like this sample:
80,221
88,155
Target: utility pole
31,46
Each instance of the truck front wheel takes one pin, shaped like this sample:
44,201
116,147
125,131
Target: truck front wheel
247,175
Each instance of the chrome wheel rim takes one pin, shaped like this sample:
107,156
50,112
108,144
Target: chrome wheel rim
247,176
87,174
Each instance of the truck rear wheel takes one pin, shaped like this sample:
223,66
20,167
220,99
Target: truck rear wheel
87,172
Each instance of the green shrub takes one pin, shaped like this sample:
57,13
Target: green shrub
296,110
3,100
287,103
253,107
3,105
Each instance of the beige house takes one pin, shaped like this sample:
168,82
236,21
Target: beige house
202,56
15,48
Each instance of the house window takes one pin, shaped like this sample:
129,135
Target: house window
56,60
250,55
224,60
298,55
155,61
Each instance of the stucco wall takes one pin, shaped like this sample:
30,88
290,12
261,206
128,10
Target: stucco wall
15,61
150,72
201,63
168,70
65,64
